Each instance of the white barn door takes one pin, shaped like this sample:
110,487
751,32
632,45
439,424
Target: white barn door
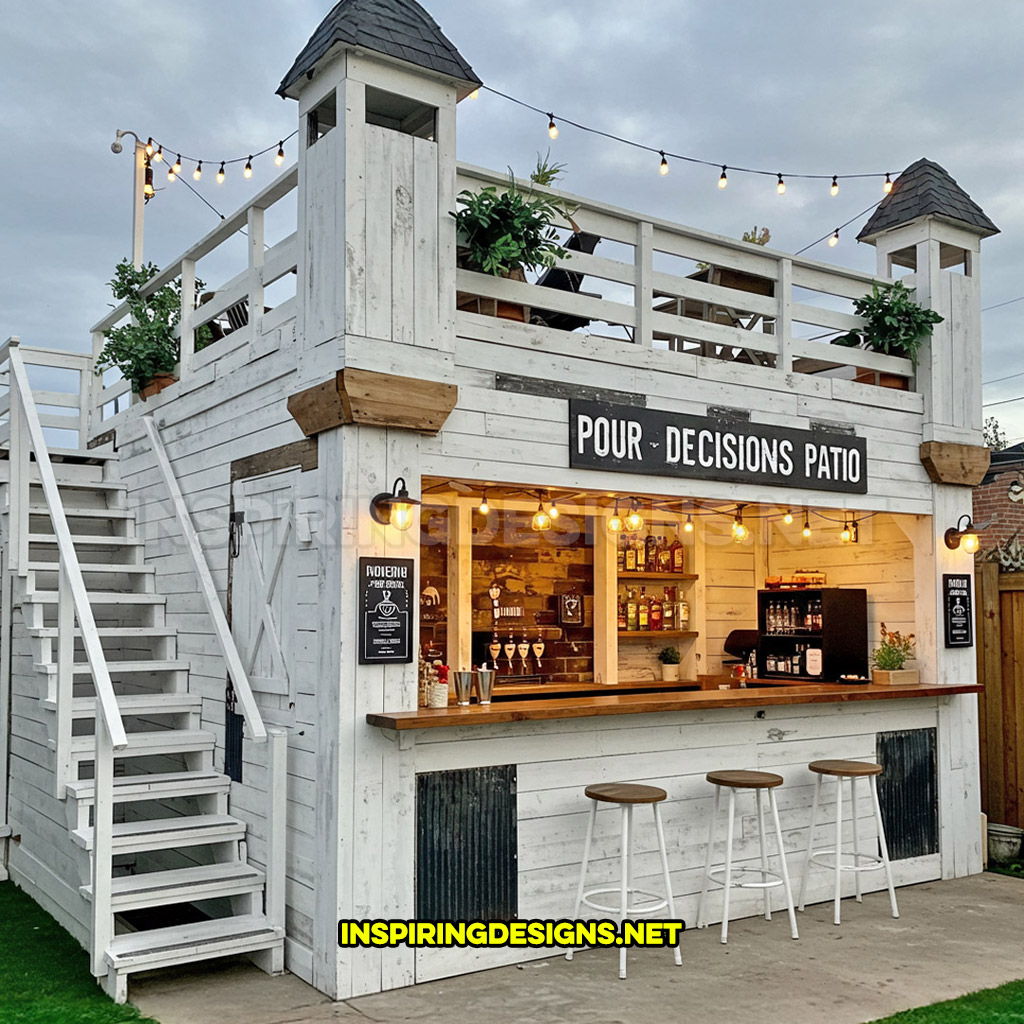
264,574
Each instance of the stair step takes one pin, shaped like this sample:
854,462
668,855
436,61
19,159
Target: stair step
149,744
184,885
97,567
114,597
92,485
128,632
164,947
124,668
162,785
84,513
81,539
137,704
168,833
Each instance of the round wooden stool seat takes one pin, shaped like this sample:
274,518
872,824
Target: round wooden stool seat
745,780
625,793
847,769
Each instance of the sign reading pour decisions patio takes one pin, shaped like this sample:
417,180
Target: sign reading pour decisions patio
628,439
385,589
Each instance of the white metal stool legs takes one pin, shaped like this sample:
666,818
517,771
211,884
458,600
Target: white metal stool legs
583,867
883,847
677,952
856,838
728,865
810,840
785,870
627,815
839,845
764,855
707,857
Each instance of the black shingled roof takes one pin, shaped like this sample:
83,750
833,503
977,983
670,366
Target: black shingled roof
398,28
926,188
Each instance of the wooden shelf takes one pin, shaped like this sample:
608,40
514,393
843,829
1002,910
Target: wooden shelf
668,634
658,576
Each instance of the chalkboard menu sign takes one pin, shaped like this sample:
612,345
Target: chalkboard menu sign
956,604
385,610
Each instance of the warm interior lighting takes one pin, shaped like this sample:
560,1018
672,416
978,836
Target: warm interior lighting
688,525
553,512
739,532
964,535
788,517
634,521
887,186
781,186
615,523
247,170
552,127
198,172
279,159
395,508
541,520
484,507
834,188
663,167
845,536
723,181
807,527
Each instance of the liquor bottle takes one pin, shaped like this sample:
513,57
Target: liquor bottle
795,661
808,622
620,553
683,616
652,551
657,612
817,615
771,619
632,610
812,659
668,609
630,555
641,554
644,611
664,555
622,614
678,561
771,664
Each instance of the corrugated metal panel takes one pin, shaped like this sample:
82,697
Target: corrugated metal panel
908,792
467,842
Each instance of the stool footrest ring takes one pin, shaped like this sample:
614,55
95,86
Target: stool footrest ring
769,879
826,858
660,903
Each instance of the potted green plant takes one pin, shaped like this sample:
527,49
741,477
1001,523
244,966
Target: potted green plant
895,324
507,232
669,658
145,349
890,656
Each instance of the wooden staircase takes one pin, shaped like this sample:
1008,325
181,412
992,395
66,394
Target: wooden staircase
175,885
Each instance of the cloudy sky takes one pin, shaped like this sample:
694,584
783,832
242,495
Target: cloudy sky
802,87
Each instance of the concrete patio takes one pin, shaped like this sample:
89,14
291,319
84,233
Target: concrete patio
952,938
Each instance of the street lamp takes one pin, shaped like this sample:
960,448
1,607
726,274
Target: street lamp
138,190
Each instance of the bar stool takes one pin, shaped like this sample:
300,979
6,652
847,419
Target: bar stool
626,794
852,770
758,782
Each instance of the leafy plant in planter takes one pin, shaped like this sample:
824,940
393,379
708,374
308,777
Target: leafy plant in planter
670,659
895,323
145,347
894,650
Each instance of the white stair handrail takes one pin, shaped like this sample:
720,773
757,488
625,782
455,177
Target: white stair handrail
236,670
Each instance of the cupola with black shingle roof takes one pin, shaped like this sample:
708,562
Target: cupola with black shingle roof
926,189
399,29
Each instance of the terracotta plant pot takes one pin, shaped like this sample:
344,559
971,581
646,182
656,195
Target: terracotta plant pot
897,677
885,380
157,384
471,303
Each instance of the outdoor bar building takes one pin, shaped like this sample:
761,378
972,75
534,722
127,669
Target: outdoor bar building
220,648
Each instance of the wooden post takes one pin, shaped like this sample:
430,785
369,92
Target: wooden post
188,307
255,286
606,595
6,595
460,585
92,397
784,325
644,287
64,688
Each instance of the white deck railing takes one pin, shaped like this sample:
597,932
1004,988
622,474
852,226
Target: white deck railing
26,439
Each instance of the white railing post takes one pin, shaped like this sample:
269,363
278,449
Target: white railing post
643,290
64,682
18,518
255,287
102,847
277,826
92,399
784,320
188,308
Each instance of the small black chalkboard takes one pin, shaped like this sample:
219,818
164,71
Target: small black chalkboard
385,603
957,613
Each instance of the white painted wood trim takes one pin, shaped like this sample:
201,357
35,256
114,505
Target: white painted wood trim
277,825
188,312
643,296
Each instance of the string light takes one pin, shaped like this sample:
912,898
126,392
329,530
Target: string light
788,517
170,174
484,507
634,521
220,173
552,127
663,168
279,159
739,532
615,523
833,239
723,181
158,155
845,535
149,146
177,165
834,188
541,520
247,170
474,95
553,509
807,527
887,185
688,525
781,186
147,189
198,172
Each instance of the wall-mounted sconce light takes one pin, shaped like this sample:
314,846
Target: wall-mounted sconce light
963,535
394,509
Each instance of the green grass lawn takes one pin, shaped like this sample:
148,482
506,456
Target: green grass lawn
1003,1005
44,973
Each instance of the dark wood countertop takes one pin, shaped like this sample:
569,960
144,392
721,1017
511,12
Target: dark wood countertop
648,703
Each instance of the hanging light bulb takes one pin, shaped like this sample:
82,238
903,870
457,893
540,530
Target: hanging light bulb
541,520
147,189
615,523
845,535
663,167
833,239
247,170
781,186
177,165
788,517
553,509
552,127
723,181
170,174
475,94
807,527
484,507
198,172
688,525
279,159
220,173
887,185
149,146
158,155
834,188
739,531
634,521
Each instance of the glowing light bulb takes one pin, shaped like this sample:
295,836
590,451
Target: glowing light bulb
887,185
739,531
149,146
484,507
541,520
247,170
198,172
833,239
723,181
615,523
845,535
177,165
158,155
553,511
807,528
279,159
634,521
475,94
170,174
220,173
552,127
663,166
788,517
781,186
970,543
688,525
147,189
834,187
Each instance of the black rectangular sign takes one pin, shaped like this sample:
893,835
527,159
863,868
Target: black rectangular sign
385,610
628,439
956,606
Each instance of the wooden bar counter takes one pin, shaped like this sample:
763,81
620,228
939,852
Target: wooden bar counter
648,703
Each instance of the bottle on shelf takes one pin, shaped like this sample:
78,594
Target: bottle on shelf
622,614
641,554
657,612
812,662
632,610
644,611
629,556
668,612
677,553
651,556
620,553
664,555
683,616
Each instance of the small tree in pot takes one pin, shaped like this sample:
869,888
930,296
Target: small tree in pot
670,659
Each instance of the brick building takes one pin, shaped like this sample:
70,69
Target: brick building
999,502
